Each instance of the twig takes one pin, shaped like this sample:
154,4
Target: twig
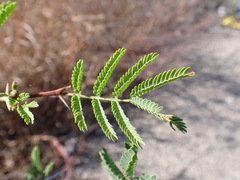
55,92
60,91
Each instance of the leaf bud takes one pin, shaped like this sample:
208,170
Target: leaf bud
14,85
14,93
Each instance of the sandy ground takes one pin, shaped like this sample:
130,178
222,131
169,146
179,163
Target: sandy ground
208,103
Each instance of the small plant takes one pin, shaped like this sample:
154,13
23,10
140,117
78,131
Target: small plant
20,102
36,172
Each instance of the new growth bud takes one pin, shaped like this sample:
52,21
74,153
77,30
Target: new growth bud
14,94
14,85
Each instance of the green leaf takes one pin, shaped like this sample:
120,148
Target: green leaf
26,114
107,71
23,96
48,169
110,166
146,177
125,125
6,9
32,104
129,145
77,76
147,105
128,162
12,102
160,80
176,121
14,85
78,112
35,157
102,120
154,109
132,73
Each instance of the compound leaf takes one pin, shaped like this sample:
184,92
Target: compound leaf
78,112
23,96
125,125
128,162
160,80
6,9
178,122
110,166
132,73
26,114
12,102
77,76
147,105
102,120
154,109
107,71
32,104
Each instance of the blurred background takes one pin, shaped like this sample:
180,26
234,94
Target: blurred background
43,40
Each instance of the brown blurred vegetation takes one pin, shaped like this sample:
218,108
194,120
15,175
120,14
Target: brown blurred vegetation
42,41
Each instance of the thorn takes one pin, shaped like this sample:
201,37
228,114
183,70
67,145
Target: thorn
7,89
64,102
8,105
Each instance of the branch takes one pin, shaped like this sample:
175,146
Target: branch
55,92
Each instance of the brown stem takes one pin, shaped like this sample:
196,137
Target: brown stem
55,92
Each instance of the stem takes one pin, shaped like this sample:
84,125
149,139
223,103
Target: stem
98,97
55,92
60,91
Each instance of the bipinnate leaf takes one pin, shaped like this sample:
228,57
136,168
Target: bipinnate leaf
6,9
125,125
26,114
107,71
78,112
160,80
132,73
110,166
77,76
102,120
35,158
147,105
128,162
